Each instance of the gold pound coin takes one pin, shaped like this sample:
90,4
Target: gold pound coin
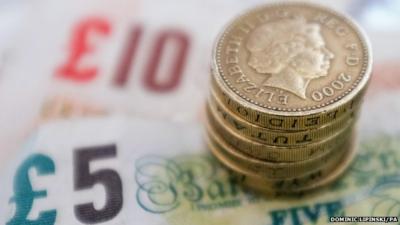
271,137
278,154
317,179
291,66
264,169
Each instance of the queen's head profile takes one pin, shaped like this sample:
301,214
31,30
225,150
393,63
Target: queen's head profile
291,51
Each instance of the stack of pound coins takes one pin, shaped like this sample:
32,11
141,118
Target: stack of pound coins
286,90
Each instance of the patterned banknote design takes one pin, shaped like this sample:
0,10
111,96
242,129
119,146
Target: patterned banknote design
161,173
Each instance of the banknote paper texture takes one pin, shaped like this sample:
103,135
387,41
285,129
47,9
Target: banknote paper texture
161,173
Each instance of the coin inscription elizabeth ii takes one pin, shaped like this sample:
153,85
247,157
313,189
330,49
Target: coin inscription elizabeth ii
292,57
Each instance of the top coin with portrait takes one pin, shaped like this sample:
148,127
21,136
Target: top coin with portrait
292,59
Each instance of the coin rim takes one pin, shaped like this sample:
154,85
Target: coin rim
221,151
286,149
338,171
317,133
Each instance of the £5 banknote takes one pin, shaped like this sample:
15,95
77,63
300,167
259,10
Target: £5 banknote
128,171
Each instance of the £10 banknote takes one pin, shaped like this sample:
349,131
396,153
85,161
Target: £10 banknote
147,59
